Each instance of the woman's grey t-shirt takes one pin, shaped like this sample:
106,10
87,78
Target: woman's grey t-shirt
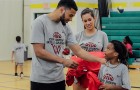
115,76
55,36
96,42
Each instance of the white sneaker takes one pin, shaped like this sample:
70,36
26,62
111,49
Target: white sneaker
21,75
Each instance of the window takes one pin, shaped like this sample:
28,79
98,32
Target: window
38,14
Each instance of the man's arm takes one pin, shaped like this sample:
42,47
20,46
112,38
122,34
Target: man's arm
78,51
40,52
105,40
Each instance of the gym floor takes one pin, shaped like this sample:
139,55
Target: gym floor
9,82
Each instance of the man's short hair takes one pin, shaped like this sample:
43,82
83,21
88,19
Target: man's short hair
68,4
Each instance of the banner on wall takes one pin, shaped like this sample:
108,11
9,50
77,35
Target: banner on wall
43,1
38,4
127,4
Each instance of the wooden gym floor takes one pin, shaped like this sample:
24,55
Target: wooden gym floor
9,82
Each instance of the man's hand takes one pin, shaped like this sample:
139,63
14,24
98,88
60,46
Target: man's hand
70,63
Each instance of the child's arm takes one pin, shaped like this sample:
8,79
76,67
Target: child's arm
111,87
12,56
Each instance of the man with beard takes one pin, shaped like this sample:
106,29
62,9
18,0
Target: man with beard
50,35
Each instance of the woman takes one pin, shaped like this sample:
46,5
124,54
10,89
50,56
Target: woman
90,38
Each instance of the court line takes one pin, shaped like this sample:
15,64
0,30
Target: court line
13,81
13,88
10,74
24,78
135,87
29,76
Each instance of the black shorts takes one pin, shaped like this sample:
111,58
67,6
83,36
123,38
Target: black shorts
48,86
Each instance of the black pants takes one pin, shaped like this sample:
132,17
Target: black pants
48,86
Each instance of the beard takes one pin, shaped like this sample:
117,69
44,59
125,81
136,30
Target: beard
62,19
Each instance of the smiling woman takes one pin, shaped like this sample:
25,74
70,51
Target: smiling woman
90,39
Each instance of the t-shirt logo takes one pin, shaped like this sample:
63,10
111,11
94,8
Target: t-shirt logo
56,42
89,46
56,35
18,48
108,77
56,48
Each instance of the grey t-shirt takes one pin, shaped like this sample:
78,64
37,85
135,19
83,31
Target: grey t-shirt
96,42
19,49
55,36
116,76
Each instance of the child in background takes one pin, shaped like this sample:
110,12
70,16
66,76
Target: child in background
114,74
128,44
18,55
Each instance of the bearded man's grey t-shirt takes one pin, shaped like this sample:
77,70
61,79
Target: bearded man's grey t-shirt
54,36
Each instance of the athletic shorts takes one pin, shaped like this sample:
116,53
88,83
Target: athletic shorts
21,64
48,86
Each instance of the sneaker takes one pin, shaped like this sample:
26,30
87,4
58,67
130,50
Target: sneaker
16,74
21,75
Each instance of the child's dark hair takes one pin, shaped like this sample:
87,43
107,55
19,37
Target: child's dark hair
121,50
87,10
128,40
68,4
18,38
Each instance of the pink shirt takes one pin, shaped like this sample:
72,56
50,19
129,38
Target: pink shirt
129,48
